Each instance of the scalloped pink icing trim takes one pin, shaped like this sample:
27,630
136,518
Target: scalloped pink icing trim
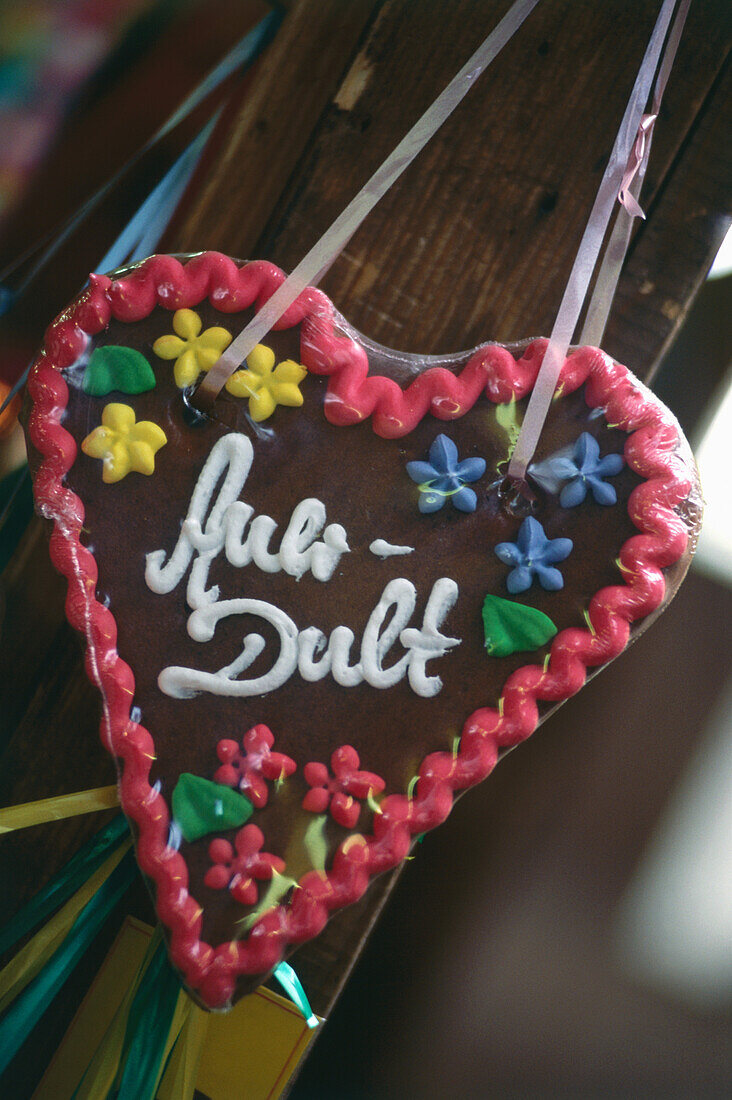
352,395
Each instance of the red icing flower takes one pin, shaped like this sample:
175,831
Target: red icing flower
342,790
248,770
238,869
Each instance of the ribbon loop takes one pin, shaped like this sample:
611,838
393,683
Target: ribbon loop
637,162
585,261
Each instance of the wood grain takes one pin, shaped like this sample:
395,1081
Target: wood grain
488,219
237,190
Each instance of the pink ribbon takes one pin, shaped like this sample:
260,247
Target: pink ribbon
616,249
586,259
638,158
637,165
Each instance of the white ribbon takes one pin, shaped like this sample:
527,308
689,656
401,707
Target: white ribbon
316,262
579,280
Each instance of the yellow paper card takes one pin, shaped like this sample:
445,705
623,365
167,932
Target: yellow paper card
251,1051
95,1013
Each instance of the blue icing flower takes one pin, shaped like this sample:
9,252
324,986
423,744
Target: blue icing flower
533,555
444,476
577,469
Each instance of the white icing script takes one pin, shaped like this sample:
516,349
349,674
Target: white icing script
313,656
305,546
300,549
383,549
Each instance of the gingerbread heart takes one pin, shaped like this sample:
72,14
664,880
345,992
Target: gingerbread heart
316,617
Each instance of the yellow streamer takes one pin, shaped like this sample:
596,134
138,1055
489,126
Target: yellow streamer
179,1080
102,1071
57,808
31,959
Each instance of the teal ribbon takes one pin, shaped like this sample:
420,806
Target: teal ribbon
148,1027
27,1009
69,879
292,986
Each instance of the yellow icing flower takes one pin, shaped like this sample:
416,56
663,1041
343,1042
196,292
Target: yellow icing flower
122,444
194,351
265,385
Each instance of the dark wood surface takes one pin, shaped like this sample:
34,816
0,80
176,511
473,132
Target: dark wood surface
474,243
476,240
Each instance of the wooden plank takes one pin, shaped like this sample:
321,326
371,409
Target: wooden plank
477,239
32,595
298,76
689,213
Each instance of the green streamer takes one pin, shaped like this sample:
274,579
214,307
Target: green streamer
292,986
150,1019
26,1010
69,879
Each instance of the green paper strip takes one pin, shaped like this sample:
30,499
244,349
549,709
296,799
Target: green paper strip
201,806
150,1020
292,986
514,628
113,369
25,1012
26,963
69,879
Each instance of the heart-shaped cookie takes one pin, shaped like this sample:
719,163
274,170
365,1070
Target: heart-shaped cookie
316,616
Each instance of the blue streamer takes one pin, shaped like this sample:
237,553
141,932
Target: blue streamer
141,235
240,56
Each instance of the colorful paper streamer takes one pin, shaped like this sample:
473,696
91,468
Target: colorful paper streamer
292,986
57,808
27,1009
29,961
149,1026
69,879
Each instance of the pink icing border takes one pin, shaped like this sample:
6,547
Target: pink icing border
652,450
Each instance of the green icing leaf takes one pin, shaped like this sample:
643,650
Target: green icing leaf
118,369
507,417
513,628
316,844
274,893
201,807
